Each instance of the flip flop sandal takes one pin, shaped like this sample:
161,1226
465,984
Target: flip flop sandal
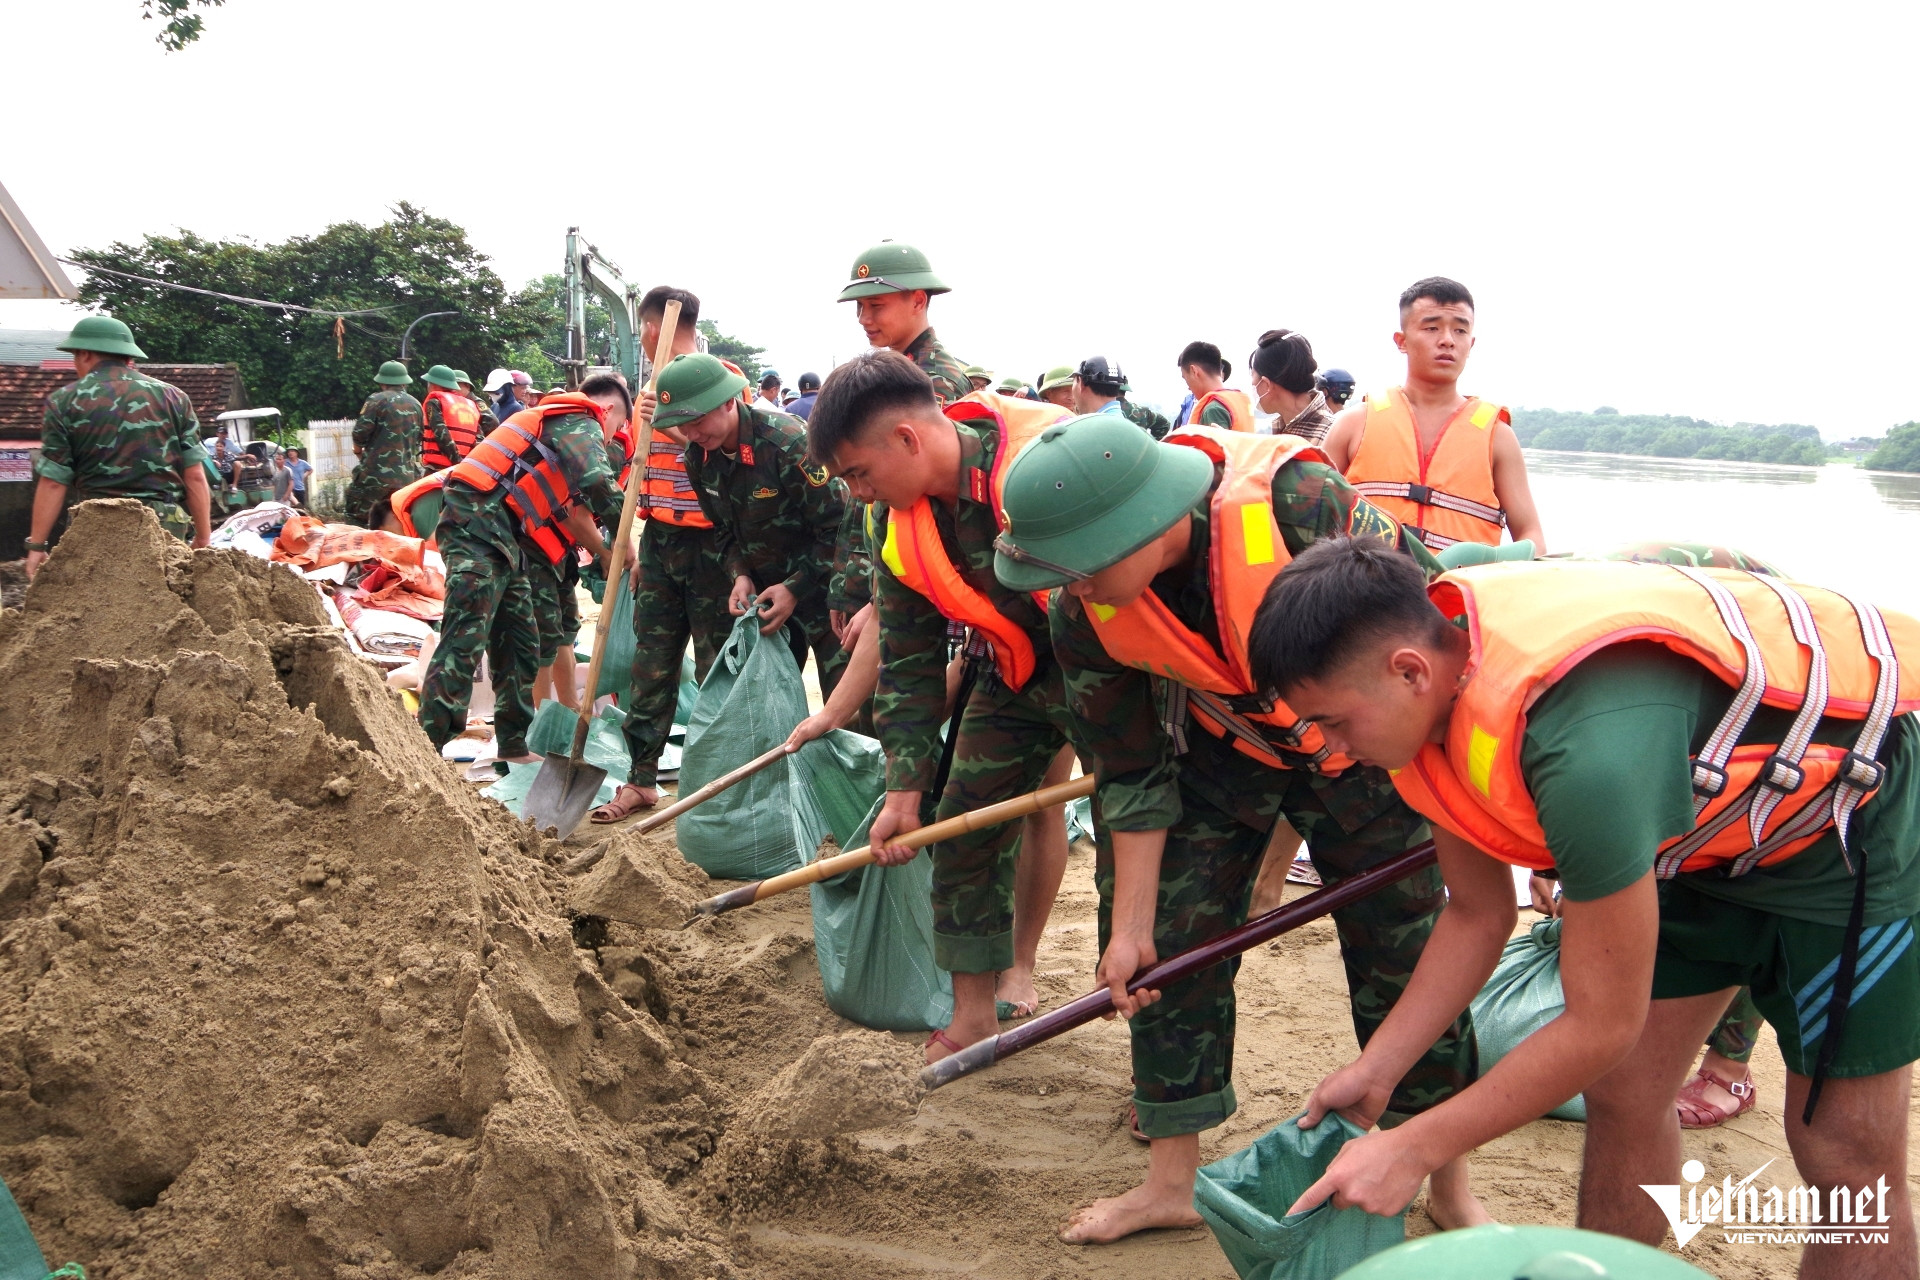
1697,1113
1015,1010
619,808
1133,1124
945,1041
1303,873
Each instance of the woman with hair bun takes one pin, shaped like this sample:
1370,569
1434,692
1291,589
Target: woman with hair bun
1283,367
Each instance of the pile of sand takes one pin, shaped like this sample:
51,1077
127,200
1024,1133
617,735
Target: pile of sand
278,996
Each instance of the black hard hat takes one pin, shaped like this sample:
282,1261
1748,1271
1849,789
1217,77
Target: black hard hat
1102,375
809,382
1337,378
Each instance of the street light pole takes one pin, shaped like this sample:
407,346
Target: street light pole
407,337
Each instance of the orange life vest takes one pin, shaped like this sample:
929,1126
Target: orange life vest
1237,403
1245,553
406,499
462,417
1806,649
538,493
912,548
1446,496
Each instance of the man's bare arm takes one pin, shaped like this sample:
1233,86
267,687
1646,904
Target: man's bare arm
1511,489
1343,437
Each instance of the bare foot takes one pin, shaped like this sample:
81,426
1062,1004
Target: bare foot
1450,1199
1015,987
1142,1209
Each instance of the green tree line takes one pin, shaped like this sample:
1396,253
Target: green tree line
1900,451
1662,436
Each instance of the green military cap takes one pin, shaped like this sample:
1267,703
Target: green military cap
105,335
1061,375
1089,493
692,386
460,376
393,374
441,376
890,267
1010,386
1463,555
977,371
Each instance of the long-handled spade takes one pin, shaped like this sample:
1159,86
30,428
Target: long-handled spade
566,786
1094,1004
827,868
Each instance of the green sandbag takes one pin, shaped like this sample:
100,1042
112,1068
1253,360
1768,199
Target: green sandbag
1080,819
1500,1250
1245,1198
873,930
616,669
751,700
20,1256
551,733
511,790
1522,996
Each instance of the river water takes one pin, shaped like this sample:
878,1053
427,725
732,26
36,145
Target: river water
1837,526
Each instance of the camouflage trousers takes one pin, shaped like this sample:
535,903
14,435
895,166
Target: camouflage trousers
682,597
1005,744
489,609
556,611
1738,1030
1183,1045
369,490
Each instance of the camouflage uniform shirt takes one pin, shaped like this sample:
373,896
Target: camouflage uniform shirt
774,517
1154,424
1119,707
949,375
576,439
117,433
388,436
909,704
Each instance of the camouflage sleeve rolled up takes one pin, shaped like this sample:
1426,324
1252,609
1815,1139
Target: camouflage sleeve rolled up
852,586
435,415
1312,500
911,699
1118,711
583,453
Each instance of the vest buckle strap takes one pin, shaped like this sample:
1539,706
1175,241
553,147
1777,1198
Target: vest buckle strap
1256,704
1709,779
1861,772
1420,493
1781,774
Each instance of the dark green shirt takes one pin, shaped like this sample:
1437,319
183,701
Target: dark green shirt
117,433
1120,707
1607,760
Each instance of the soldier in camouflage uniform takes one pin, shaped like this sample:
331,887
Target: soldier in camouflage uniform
1148,420
488,418
490,599
116,433
386,439
1112,516
1015,721
774,517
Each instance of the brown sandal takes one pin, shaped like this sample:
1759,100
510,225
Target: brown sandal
1697,1113
620,807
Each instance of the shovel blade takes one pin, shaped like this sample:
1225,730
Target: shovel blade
562,793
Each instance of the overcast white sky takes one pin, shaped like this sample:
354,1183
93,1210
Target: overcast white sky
1683,208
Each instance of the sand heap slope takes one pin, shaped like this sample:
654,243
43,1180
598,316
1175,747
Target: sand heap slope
277,996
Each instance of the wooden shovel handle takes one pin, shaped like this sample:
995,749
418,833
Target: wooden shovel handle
827,868
655,820
617,553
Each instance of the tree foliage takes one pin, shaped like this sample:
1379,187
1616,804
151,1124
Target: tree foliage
734,349
1900,451
182,26
1607,430
409,265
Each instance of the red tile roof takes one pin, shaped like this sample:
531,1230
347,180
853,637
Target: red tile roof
213,388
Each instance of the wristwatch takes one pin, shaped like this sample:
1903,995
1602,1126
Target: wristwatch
39,546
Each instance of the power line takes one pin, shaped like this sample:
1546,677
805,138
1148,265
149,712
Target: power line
229,297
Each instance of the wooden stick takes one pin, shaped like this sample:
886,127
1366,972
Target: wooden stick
617,553
827,868
655,820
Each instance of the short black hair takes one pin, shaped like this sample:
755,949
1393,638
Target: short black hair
601,384
654,303
1442,290
1205,355
1285,358
770,378
872,383
1338,597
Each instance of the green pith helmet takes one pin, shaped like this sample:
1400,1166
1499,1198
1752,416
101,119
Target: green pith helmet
692,386
1011,385
1061,375
891,267
393,374
1089,493
976,371
105,335
441,376
460,376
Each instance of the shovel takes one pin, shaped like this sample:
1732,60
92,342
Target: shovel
827,868
567,786
1096,1004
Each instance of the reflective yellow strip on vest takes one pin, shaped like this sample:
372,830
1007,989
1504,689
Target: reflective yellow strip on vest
1256,528
1103,612
1483,416
1481,747
890,552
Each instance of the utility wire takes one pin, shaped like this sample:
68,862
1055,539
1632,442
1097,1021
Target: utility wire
229,297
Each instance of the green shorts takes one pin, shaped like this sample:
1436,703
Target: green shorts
554,607
1707,944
